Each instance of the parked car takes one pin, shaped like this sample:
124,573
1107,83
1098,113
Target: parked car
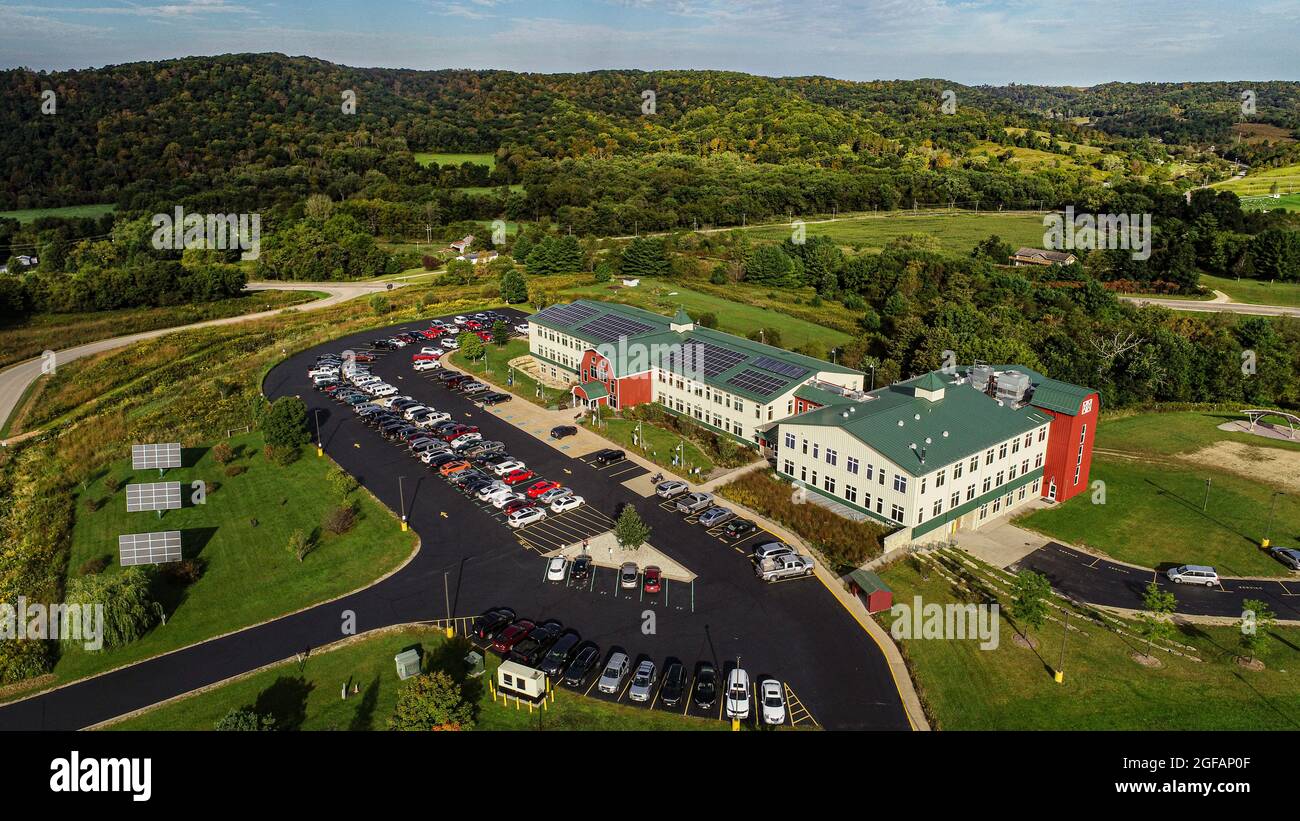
561,431
551,494
615,671
671,489
607,457
504,499
773,697
427,365
560,653
567,502
507,467
579,670
769,550
737,695
739,528
1193,574
555,569
516,477
492,622
784,566
715,516
581,569
454,466
694,503
536,489
706,686
653,580
674,684
627,575
518,504
494,398
1288,556
643,681
512,635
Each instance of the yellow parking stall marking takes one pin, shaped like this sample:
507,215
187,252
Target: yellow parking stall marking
594,679
795,707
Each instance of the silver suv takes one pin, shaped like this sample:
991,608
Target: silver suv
615,672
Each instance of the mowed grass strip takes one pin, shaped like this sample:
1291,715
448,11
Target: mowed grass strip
1011,687
241,535
957,231
427,158
307,697
30,214
1177,432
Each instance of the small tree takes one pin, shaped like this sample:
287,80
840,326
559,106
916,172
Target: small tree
471,346
342,482
1029,596
1256,619
500,333
245,720
432,701
285,424
380,304
630,530
299,544
1157,607
513,288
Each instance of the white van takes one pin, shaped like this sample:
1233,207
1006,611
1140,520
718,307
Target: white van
1193,574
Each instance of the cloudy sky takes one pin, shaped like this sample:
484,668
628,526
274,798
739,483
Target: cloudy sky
1079,42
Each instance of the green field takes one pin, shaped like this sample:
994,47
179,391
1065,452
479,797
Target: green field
495,366
241,533
29,214
427,158
1259,292
306,697
1156,511
957,231
664,297
1261,182
1285,202
517,188
1011,687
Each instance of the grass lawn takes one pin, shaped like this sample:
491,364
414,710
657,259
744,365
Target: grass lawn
660,444
489,189
1260,292
241,533
1261,182
1011,688
30,214
957,231
497,369
427,158
1152,514
59,331
307,697
664,297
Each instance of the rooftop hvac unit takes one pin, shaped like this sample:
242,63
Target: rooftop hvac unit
1012,386
980,376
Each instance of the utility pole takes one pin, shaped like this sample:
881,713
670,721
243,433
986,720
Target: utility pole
1268,531
401,501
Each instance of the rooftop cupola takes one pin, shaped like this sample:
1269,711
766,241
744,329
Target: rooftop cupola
929,387
682,322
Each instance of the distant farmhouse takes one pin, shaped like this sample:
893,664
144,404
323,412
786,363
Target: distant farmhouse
1038,256
479,256
460,246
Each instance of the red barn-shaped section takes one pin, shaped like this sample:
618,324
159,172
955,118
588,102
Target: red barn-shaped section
600,383
1069,444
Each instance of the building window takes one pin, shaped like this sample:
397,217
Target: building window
988,483
805,445
939,478
1021,495
955,499
829,484
879,503
923,481
938,507
739,406
851,493
970,492
816,449
984,512
1037,484
852,464
1029,438
896,513
974,464
803,473
870,471
1002,451
787,468
988,457
1015,446
789,440
900,482
1024,466
789,408
1001,474
1076,474
1042,434
1038,461
882,477
814,479
956,470
831,456
1083,434
1011,472
997,504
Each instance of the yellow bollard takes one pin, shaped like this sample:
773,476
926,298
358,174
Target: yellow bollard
1059,676
1264,543
319,451
451,632
403,527
735,725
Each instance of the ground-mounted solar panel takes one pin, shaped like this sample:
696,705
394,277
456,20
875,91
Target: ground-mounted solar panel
758,382
569,315
610,327
791,370
150,457
153,496
149,548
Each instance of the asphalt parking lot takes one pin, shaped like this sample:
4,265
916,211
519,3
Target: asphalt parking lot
469,562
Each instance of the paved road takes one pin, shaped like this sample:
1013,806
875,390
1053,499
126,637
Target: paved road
1100,581
1216,306
795,630
15,379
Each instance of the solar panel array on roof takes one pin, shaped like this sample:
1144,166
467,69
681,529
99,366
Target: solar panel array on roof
149,548
757,382
767,363
612,326
148,457
567,314
155,496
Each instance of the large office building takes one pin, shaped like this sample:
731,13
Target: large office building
942,452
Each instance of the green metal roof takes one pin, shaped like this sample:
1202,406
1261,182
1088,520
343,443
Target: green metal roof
868,582
964,422
661,333
821,396
682,318
929,382
594,390
1052,394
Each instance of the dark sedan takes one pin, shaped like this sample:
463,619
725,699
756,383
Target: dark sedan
492,622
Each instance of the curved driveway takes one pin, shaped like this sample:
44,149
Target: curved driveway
15,379
469,562
1215,306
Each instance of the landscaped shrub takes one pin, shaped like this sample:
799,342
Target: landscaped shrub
842,542
721,449
299,544
184,572
281,455
341,481
91,504
92,567
433,701
234,470
222,453
340,520
112,483
245,720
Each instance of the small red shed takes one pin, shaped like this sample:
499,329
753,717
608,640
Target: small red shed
873,591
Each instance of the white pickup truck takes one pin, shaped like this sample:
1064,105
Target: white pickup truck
785,566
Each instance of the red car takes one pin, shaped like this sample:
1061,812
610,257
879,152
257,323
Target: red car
363,357
516,476
473,325
517,504
653,579
512,635
434,333
485,336
459,430
423,357
538,488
